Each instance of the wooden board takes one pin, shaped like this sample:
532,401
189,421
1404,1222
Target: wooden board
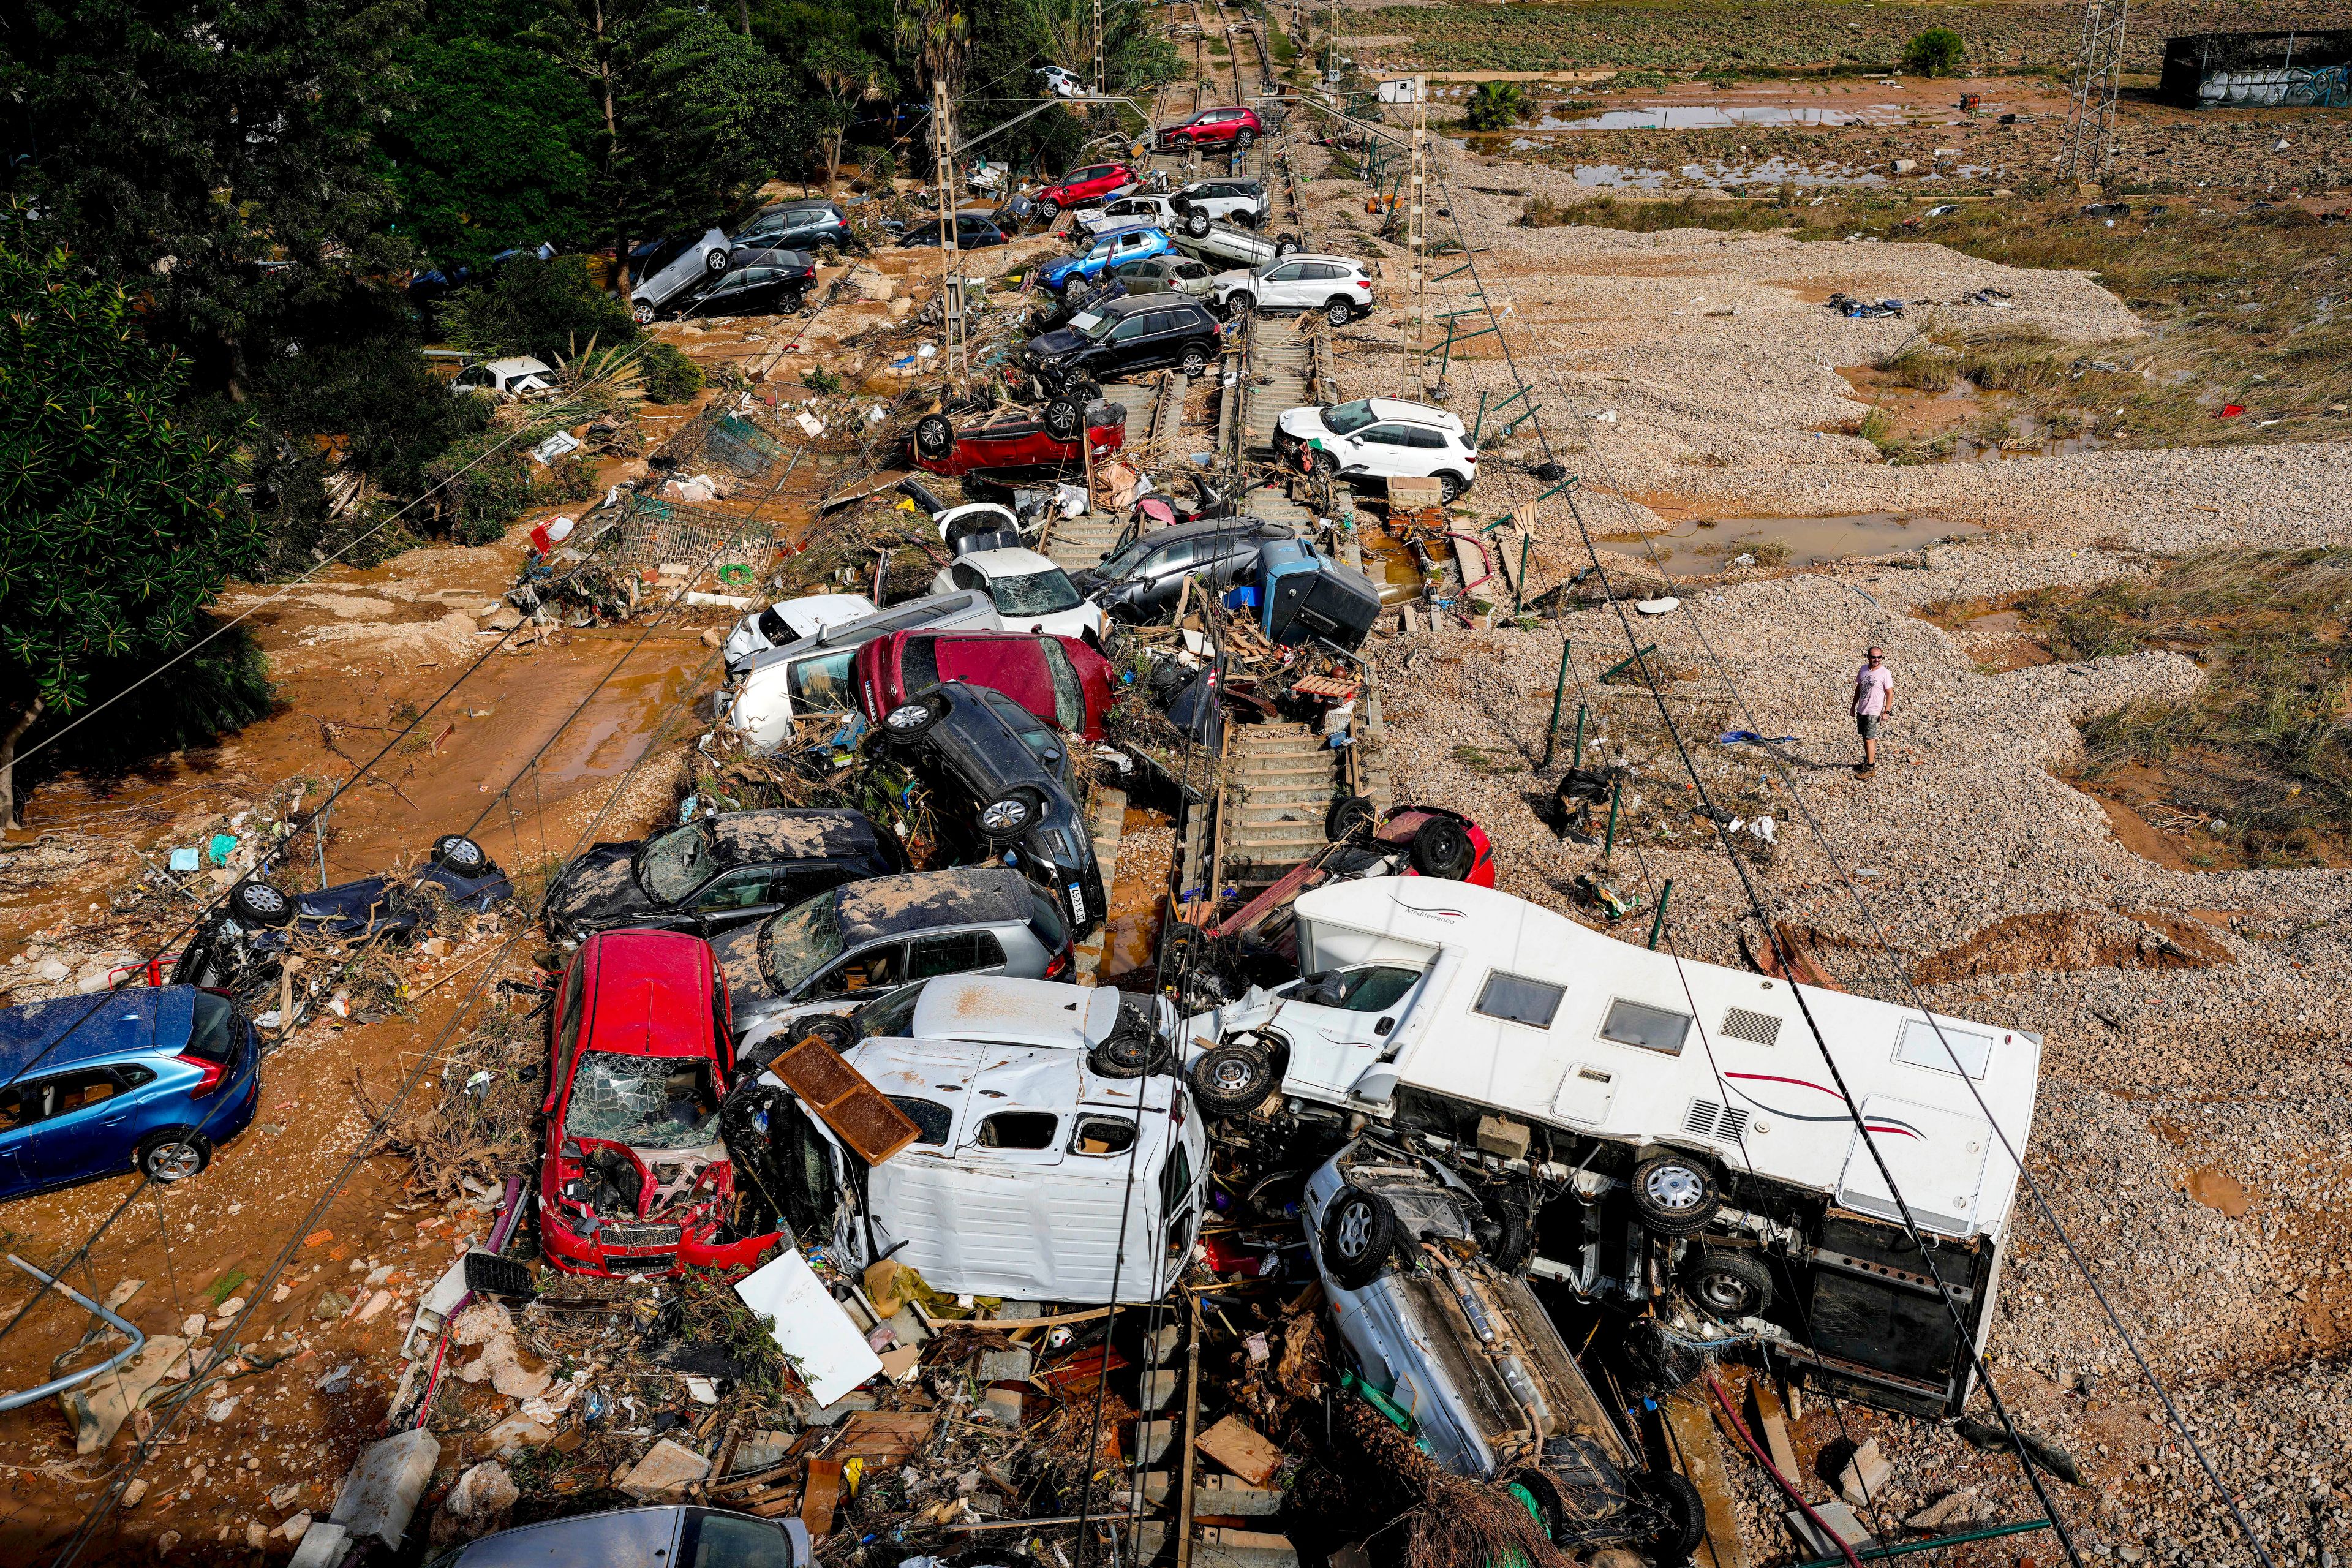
888,1437
872,1127
824,1493
1235,1446
1698,1454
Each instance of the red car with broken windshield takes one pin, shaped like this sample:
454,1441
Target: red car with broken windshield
636,1181
1064,681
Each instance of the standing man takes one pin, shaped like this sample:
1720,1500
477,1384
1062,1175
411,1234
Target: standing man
1874,699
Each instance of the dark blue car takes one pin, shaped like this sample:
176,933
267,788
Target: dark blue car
150,1079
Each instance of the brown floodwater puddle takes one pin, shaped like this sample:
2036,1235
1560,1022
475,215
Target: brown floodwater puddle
1139,895
2209,1186
1705,545
1391,564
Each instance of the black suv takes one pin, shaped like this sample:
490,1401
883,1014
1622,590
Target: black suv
794,226
1121,335
718,871
1005,784
1141,581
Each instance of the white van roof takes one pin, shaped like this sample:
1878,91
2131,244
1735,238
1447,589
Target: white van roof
999,1010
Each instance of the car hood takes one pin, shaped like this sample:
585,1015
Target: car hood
596,889
1233,280
1307,423
1054,345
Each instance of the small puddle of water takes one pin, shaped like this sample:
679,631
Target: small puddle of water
1390,565
1714,116
2209,1186
1705,546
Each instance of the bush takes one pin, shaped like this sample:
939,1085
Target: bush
480,497
547,310
1495,106
671,376
572,478
1938,51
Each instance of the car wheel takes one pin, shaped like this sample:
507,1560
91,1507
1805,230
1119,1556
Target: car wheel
1238,306
1442,847
836,1034
258,903
1514,1240
1657,1362
1129,1051
1349,815
643,315
1010,814
1326,464
1674,1194
175,1155
1450,488
1048,209
1284,244
1341,312
1063,417
1196,223
716,261
1729,1286
934,436
910,719
1195,361
1541,1496
1360,1231
1242,142
455,852
1678,1513
1232,1081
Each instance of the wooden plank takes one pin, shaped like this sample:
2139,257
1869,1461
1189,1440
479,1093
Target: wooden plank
823,1494
872,1127
1775,1427
892,1437
1698,1455
1234,1444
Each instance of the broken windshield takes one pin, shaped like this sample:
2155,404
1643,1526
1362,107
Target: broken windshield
1346,419
1039,594
800,941
675,863
649,1103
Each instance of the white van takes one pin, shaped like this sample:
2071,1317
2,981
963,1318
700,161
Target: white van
788,620
1643,1101
1017,1185
812,676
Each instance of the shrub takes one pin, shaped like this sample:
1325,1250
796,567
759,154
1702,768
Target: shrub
481,495
1541,211
1495,106
570,478
546,310
671,376
1938,51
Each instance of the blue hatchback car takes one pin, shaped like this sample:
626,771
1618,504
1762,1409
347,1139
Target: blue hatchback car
1110,248
149,1079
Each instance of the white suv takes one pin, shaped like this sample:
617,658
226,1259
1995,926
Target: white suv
1204,202
1382,437
1335,285
1128,211
1029,592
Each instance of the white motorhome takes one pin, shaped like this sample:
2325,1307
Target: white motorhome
1642,1101
1030,1136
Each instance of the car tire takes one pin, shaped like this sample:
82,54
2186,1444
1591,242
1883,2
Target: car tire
1241,305
1350,816
1655,1364
1048,209
934,436
1451,487
1514,1237
258,903
1232,1081
1727,1284
1543,1495
1196,223
1242,142
644,315
906,723
455,852
1674,1194
716,261
1196,359
1339,313
1360,1231
1284,244
174,1154
1009,816
1129,1051
1326,464
1442,847
1065,418
1680,1515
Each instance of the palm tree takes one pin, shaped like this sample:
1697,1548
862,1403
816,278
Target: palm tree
1495,105
936,33
850,76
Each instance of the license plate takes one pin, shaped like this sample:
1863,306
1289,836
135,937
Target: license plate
1077,903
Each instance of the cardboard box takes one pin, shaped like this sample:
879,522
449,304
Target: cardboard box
1414,493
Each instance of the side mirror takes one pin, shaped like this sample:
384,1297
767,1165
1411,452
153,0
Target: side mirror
1383,1026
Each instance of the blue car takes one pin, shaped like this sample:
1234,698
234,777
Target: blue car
151,1079
1109,249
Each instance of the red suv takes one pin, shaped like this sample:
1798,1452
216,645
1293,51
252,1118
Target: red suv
636,1181
1214,128
1061,680
1008,444
1079,188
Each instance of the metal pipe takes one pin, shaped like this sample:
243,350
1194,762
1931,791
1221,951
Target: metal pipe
1609,845
1559,696
1578,760
72,1379
1658,924
1935,1544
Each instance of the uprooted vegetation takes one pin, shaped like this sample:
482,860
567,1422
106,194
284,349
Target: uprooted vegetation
2255,766
2242,311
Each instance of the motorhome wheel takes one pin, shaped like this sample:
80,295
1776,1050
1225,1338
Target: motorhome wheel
1130,1050
1673,1195
1360,1231
1231,1079
1728,1285
1512,1240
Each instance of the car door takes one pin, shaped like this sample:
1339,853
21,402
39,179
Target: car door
1035,733
1282,287
732,898
876,968
82,1125
1383,450
1127,346
955,952
1162,574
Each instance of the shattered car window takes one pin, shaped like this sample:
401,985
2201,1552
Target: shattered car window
649,1103
675,863
1039,594
888,1016
800,941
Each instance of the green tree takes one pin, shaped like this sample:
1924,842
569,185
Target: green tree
934,35
1938,51
1495,106
547,310
850,76
122,522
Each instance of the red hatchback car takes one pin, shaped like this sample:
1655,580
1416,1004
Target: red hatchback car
1092,183
1214,128
1018,443
635,1180
1062,680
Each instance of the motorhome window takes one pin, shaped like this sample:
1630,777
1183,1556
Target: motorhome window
1018,1130
1652,1029
1102,1135
932,1120
1926,1044
1519,999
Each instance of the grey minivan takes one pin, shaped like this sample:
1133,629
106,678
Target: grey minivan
885,932
671,1537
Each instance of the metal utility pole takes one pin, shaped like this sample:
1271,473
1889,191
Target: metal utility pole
2091,119
1416,233
950,286
1098,49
